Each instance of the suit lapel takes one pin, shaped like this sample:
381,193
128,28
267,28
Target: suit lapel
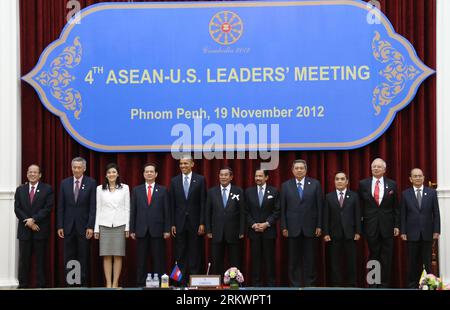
36,194
191,185
144,194
295,190
387,189
154,194
336,200
82,187
72,192
26,194
369,190
266,193
219,196
412,193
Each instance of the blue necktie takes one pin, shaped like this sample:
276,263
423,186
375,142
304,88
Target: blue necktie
260,196
224,197
186,186
300,190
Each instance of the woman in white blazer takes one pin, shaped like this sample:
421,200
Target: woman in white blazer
111,223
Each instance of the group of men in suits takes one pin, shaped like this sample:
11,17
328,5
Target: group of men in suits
188,211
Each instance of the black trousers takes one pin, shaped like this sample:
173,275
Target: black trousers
419,255
218,255
342,250
302,249
157,246
26,248
188,251
381,250
262,251
78,248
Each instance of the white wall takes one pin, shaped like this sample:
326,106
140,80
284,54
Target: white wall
443,131
10,138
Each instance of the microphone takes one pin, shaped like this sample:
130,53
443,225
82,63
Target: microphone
207,271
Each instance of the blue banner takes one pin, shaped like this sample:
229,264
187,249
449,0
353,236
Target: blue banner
306,75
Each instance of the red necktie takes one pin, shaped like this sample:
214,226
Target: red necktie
376,192
149,195
32,194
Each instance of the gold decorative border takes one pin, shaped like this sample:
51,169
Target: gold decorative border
58,78
397,72
327,145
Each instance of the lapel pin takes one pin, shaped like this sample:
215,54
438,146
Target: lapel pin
37,191
423,194
156,189
309,183
348,196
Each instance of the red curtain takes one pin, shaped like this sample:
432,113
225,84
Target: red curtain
409,142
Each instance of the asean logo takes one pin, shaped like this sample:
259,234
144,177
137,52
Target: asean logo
226,27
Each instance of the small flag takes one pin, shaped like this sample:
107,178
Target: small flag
423,276
176,273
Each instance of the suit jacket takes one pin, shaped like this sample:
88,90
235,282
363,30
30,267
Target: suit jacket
113,208
342,223
79,215
269,211
229,222
39,210
193,207
303,215
415,221
379,219
154,218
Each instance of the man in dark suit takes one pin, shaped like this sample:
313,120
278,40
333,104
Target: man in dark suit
76,218
262,210
380,217
225,221
420,224
301,222
33,203
188,198
341,228
150,223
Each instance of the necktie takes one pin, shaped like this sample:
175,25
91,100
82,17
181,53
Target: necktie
261,196
341,199
186,186
77,190
376,192
419,198
149,195
224,197
300,190
32,194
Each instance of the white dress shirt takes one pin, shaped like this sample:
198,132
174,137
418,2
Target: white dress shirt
189,176
146,188
302,182
35,187
113,208
380,186
79,184
338,192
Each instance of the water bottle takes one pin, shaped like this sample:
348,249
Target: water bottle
155,280
149,280
164,281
